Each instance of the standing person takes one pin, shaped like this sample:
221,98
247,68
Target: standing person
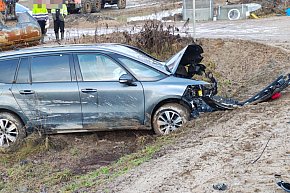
58,16
10,9
39,12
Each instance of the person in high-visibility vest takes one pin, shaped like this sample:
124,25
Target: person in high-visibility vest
39,12
58,16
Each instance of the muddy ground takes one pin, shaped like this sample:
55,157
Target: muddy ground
219,147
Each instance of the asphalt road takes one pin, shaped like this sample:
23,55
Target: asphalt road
274,29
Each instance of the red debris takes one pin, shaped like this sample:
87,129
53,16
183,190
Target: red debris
276,96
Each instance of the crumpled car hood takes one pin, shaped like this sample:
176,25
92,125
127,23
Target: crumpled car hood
189,54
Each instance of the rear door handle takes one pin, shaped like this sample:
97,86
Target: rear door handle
26,92
89,90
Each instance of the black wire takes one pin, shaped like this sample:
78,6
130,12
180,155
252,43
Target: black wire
262,151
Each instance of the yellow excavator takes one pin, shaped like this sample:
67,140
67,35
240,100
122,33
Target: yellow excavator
16,29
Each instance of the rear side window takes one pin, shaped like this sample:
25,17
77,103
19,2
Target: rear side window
52,68
7,70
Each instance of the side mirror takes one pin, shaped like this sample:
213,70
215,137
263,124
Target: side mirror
127,79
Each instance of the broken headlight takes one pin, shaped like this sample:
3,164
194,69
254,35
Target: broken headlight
195,91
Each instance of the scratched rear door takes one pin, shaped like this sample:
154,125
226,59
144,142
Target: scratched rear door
50,96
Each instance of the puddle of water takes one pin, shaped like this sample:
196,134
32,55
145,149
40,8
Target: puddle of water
156,16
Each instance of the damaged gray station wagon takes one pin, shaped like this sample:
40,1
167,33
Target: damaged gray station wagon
81,88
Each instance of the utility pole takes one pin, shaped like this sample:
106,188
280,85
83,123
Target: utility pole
193,20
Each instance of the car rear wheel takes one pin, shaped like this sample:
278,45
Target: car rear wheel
169,117
12,132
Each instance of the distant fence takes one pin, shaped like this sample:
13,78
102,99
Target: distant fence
203,12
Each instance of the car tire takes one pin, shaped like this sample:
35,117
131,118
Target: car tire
169,117
121,4
96,6
86,6
12,132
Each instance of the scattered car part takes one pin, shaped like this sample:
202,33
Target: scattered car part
275,87
276,96
272,91
220,186
284,185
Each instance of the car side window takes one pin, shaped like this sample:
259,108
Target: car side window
7,70
23,71
50,68
141,71
98,67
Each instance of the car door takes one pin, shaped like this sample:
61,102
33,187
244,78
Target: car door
107,103
47,92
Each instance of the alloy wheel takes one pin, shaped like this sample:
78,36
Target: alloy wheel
169,121
8,132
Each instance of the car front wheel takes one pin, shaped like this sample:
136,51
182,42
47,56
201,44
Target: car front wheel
12,132
169,117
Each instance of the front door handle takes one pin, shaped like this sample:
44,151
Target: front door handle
89,90
26,92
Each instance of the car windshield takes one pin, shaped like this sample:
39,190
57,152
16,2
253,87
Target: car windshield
140,56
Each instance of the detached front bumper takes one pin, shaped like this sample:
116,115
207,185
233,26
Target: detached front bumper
268,93
203,98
